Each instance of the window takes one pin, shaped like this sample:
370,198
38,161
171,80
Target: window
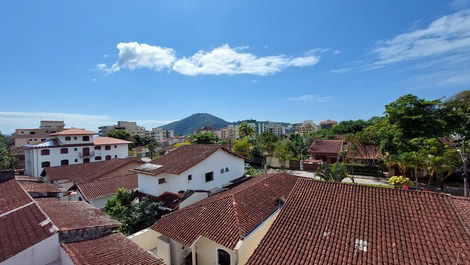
75,137
190,177
161,181
64,150
97,158
46,164
223,257
222,171
67,138
64,162
43,139
108,147
108,157
76,160
86,138
98,147
209,176
45,152
115,146
86,160
75,149
115,156
32,132
226,169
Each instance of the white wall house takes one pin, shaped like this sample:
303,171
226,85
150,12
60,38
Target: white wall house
72,146
190,167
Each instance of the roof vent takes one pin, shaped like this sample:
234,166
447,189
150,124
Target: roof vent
148,167
360,245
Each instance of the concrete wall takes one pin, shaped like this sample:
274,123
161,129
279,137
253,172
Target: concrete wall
64,258
206,252
195,197
251,242
44,252
154,242
214,163
178,252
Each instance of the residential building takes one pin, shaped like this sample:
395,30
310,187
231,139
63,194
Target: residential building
306,127
38,189
160,134
129,126
67,176
190,167
60,232
362,154
326,150
23,137
72,146
229,133
276,129
207,129
140,152
336,223
328,124
222,229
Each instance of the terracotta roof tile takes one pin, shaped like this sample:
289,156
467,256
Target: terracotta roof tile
229,216
104,187
80,173
41,187
12,196
109,140
326,147
334,223
182,158
73,131
71,215
362,151
109,250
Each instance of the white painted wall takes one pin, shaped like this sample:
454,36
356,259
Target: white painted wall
64,258
220,159
42,253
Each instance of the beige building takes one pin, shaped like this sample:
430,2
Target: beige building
206,129
328,124
160,134
229,133
306,127
222,229
129,126
23,137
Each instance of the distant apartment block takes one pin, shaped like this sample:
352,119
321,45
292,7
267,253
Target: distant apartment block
129,126
207,129
229,133
37,135
328,124
160,134
276,129
72,146
306,127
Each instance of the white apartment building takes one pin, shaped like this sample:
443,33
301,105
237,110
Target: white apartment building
160,134
72,146
276,129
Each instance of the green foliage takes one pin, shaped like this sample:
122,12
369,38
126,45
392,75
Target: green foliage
351,126
251,171
335,172
144,141
297,146
242,146
282,152
457,114
246,130
183,143
120,134
267,143
6,161
204,138
399,181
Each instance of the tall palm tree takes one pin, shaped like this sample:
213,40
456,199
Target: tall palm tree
246,130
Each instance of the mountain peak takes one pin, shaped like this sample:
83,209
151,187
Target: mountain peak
195,121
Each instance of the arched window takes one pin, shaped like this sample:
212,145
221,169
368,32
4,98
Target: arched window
223,257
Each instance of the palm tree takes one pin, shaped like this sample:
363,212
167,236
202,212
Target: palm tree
267,144
246,130
334,173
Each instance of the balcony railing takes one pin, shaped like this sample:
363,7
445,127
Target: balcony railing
86,154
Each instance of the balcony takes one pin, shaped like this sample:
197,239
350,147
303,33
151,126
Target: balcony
86,154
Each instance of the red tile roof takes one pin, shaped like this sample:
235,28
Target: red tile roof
104,187
326,147
335,223
39,187
109,141
109,250
22,229
12,196
72,215
80,173
182,159
362,151
229,216
73,131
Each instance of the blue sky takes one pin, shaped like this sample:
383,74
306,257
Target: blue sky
95,62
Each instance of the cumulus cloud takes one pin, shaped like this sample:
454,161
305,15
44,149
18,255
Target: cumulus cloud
223,60
133,55
449,34
311,98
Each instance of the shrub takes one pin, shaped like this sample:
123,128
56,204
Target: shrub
399,181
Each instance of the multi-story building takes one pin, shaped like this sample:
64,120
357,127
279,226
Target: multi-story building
129,126
72,146
160,134
22,137
207,129
229,133
306,127
276,129
328,124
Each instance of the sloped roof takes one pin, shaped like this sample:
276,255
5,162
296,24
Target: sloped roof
72,131
81,173
182,159
326,147
12,196
337,223
39,187
229,216
72,215
103,187
362,151
109,140
109,250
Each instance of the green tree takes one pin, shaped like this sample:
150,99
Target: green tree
6,161
245,130
204,138
267,144
242,146
120,134
282,153
335,173
298,147
349,127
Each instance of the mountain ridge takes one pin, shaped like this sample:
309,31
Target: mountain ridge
195,121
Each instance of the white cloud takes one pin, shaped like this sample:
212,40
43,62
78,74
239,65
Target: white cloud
341,70
222,60
311,98
9,121
447,35
133,55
